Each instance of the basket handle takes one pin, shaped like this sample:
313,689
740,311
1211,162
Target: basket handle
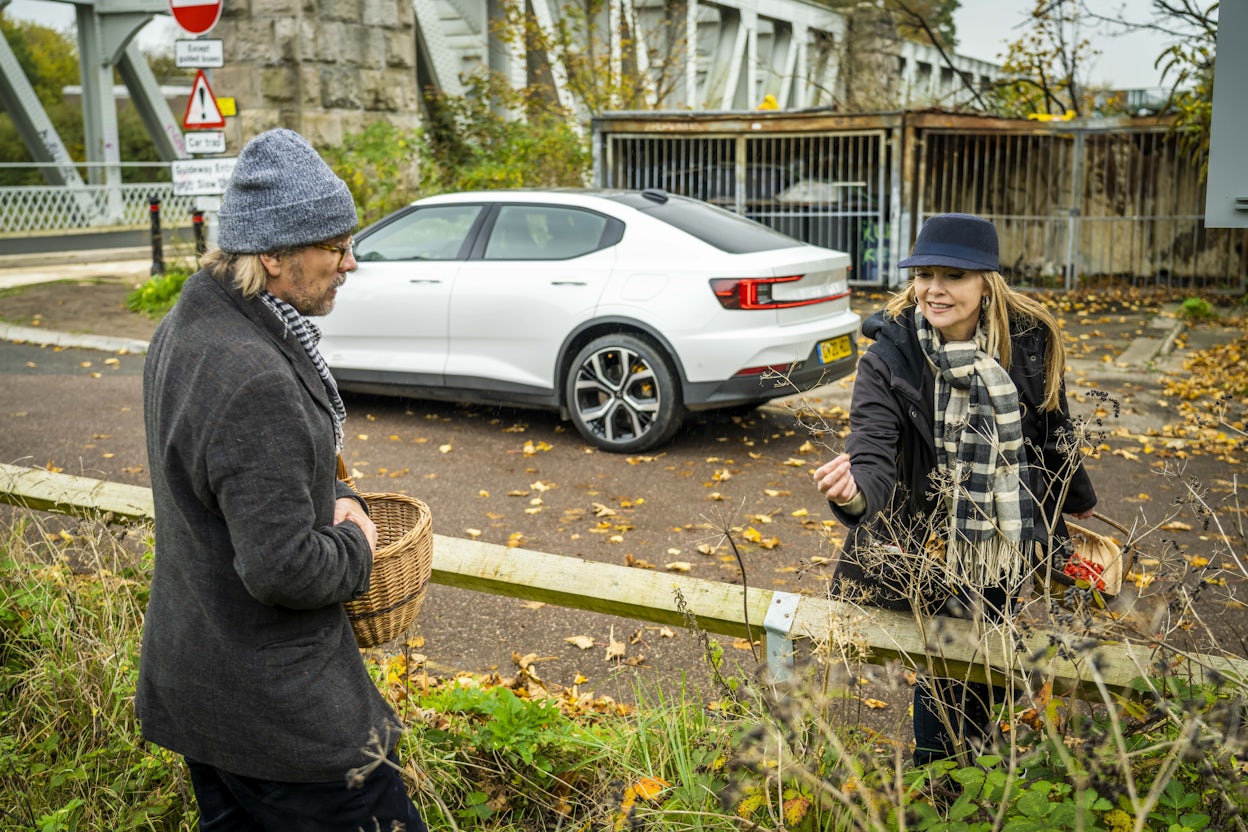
343,473
1111,522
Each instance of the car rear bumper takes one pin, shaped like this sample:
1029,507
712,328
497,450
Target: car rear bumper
743,389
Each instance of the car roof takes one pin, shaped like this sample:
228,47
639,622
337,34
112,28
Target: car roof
571,196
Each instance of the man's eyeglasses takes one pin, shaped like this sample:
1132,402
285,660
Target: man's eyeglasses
341,251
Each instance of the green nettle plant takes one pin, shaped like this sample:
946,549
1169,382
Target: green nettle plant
1196,309
157,295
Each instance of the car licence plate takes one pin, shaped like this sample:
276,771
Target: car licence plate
834,349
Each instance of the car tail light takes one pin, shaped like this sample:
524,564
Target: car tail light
755,293
758,371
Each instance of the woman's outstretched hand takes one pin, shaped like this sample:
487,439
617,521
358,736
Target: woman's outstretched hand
835,480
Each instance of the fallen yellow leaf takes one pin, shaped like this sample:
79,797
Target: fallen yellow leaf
615,649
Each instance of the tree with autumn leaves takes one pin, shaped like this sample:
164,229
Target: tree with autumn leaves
1045,71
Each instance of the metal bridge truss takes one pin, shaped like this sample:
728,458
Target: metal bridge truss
708,55
106,33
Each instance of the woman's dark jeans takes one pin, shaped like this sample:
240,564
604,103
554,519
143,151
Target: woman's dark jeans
966,706
229,803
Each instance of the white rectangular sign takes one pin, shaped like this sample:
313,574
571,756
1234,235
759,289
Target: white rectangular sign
194,177
204,141
201,54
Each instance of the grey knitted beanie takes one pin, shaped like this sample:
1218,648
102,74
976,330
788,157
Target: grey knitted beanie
282,195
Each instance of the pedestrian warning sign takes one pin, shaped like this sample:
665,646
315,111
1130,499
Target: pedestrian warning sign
202,111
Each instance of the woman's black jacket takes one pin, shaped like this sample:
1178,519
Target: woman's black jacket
892,450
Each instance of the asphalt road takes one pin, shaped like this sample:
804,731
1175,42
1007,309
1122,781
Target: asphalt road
504,475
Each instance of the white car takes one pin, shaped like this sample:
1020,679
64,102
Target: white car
621,309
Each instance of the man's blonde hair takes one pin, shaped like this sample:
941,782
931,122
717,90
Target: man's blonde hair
1006,305
250,275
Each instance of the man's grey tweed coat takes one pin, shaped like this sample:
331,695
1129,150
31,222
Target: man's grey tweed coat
248,662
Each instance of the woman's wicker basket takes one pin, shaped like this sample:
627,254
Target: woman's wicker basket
1095,559
401,568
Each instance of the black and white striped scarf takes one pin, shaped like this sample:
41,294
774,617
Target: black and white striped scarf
979,447
309,335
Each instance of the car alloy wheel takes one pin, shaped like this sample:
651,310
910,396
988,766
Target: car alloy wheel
622,395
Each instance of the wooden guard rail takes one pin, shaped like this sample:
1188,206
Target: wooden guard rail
948,647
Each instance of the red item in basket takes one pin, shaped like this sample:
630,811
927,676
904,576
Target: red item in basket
1080,569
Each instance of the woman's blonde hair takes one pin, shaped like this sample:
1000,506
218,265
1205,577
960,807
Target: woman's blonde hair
250,275
1005,305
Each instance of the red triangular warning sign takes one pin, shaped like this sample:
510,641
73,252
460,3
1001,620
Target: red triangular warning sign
202,112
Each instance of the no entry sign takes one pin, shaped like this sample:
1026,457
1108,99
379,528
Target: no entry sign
196,17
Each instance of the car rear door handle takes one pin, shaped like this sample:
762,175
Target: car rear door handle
423,280
567,283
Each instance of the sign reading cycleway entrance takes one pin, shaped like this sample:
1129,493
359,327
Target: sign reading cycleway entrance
201,177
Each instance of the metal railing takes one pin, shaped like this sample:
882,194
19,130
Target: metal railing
35,209
827,188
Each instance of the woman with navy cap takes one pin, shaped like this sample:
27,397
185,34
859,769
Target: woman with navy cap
960,456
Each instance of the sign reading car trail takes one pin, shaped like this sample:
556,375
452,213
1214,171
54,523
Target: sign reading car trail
196,177
196,17
205,141
202,112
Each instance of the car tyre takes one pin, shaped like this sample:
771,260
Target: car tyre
623,395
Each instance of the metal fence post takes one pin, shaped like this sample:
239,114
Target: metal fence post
778,624
197,229
158,257
1073,230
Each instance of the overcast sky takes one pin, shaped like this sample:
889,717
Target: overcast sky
985,27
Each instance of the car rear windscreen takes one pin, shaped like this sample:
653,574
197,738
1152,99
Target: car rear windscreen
723,229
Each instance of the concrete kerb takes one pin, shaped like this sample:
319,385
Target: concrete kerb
47,268
53,271
46,338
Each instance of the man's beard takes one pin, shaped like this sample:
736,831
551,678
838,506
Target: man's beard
307,304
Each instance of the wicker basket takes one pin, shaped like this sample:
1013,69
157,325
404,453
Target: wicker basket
401,568
1096,558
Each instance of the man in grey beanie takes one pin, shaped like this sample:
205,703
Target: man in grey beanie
249,666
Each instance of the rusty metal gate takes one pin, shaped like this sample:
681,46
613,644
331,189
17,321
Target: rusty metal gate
828,187
1083,204
1091,205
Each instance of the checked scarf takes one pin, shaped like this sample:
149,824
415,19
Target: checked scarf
979,448
309,335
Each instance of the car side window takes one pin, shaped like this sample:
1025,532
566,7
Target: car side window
435,232
544,232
